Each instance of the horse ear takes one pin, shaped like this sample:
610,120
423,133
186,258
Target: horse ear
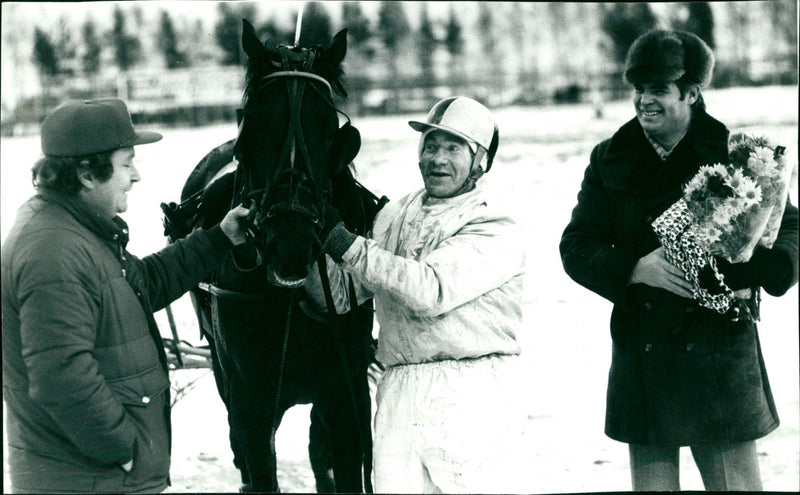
250,43
346,144
338,48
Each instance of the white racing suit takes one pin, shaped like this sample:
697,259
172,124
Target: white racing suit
446,277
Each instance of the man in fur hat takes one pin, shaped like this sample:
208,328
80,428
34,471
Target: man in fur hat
681,374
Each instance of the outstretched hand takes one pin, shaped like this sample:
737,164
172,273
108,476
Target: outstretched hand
233,224
654,270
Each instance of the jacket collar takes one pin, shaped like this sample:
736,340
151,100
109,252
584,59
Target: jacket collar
628,149
115,230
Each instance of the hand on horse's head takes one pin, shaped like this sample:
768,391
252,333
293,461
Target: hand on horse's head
233,226
336,239
331,217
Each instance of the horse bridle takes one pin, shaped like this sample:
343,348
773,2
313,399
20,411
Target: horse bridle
298,184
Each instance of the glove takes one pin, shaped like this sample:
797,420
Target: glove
336,239
767,268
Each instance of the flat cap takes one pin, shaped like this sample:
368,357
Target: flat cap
79,128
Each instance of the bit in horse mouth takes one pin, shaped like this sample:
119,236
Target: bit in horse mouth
288,283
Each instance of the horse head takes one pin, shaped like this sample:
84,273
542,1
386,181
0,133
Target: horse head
289,148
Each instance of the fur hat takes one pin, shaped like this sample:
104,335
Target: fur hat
668,56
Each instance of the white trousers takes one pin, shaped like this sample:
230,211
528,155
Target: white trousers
450,427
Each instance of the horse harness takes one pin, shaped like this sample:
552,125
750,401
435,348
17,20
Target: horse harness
291,182
246,191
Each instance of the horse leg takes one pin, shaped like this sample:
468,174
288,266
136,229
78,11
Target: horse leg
320,453
203,310
350,410
250,421
345,442
223,388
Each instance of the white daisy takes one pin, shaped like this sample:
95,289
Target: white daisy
750,193
734,180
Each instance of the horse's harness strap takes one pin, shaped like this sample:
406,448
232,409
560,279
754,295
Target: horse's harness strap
297,73
326,285
230,294
295,139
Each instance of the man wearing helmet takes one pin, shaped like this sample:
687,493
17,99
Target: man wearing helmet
445,269
681,375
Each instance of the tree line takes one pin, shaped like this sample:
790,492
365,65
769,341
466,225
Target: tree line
57,53
406,52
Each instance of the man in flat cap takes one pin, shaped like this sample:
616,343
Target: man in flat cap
85,376
681,374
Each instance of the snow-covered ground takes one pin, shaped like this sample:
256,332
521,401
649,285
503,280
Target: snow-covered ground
566,344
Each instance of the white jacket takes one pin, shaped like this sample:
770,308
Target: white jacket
446,276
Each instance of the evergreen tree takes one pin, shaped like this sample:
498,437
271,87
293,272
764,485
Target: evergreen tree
270,30
357,24
700,21
316,26
44,53
623,23
392,28
426,46
453,38
65,48
228,30
489,39
91,43
127,49
228,34
168,43
783,16
486,30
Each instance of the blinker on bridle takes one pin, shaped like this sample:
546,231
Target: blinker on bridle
287,170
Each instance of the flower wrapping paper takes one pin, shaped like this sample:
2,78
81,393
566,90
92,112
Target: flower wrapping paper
678,234
726,211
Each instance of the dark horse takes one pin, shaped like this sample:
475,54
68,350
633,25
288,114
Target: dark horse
271,350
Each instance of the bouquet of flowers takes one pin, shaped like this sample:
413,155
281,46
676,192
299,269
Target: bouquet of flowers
726,210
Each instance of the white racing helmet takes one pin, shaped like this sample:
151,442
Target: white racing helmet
467,119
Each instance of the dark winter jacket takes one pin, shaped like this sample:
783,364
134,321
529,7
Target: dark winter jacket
680,374
84,371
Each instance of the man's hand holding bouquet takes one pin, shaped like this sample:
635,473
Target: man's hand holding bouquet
725,212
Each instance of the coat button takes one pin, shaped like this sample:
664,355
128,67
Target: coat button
648,305
689,346
648,347
648,219
145,400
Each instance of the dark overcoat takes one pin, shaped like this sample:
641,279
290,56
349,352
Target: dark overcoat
85,378
680,374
